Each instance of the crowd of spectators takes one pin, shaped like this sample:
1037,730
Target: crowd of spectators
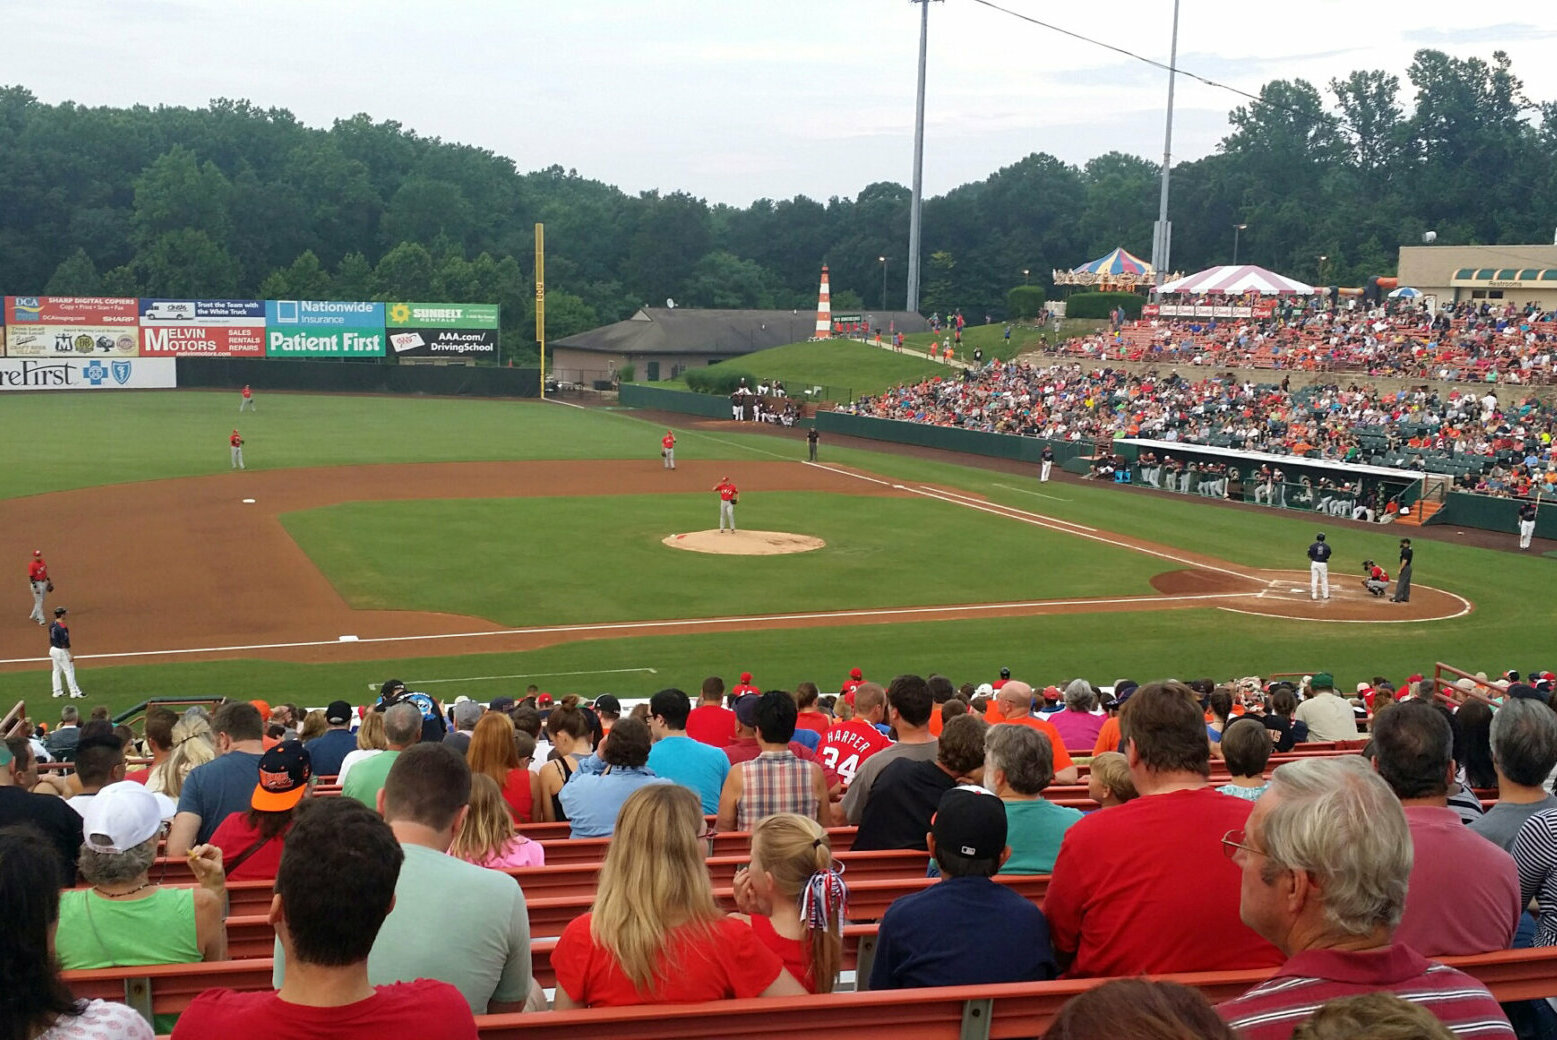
1344,874
1463,342
1504,446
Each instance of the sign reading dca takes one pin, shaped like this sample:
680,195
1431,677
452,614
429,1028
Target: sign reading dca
70,326
443,329
202,328
323,328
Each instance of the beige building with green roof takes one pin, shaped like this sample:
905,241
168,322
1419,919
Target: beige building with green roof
1496,274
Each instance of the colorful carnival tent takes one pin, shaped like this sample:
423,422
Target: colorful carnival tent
1236,281
1119,268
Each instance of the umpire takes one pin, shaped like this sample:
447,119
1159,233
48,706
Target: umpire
1403,579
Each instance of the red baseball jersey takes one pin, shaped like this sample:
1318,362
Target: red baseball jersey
237,441
726,490
669,440
37,570
247,392
847,745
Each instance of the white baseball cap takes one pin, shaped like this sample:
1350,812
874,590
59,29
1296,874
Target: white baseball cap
124,815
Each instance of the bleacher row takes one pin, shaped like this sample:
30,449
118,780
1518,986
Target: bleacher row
564,889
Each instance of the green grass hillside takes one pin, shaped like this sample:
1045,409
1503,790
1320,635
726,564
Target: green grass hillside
842,364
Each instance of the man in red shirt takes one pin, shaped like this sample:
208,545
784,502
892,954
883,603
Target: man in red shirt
850,685
848,744
1144,887
710,722
727,499
668,449
326,993
236,443
1014,705
248,399
742,688
1324,860
38,579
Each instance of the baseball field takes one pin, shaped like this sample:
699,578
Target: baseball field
473,547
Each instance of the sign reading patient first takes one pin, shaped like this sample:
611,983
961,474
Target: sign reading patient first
324,328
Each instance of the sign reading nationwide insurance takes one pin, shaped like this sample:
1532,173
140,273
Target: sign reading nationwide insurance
88,374
353,313
202,328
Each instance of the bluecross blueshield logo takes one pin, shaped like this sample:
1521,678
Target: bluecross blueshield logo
121,370
95,373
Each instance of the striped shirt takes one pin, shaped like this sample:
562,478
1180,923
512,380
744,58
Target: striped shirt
774,782
1535,852
1273,1009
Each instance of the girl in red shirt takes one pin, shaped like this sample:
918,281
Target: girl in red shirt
793,898
495,752
655,934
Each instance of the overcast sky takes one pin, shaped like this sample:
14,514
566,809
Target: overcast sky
739,99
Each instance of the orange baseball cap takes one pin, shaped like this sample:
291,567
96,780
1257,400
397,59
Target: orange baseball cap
284,772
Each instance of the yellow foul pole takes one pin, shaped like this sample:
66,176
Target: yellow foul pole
540,298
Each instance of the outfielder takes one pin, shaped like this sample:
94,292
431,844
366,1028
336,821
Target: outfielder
38,579
236,443
727,498
59,653
1047,458
668,449
1526,524
247,400
1319,568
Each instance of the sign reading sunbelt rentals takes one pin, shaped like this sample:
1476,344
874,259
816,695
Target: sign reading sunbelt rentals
88,374
443,329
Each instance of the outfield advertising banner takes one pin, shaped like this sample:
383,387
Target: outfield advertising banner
202,328
71,310
324,313
443,342
71,341
88,374
293,341
442,316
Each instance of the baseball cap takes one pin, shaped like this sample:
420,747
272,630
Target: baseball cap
501,704
61,611
124,815
284,772
971,822
745,677
543,701
263,707
337,713
1005,673
608,703
746,709
984,689
37,552
1051,693
1323,681
1363,687
467,713
855,673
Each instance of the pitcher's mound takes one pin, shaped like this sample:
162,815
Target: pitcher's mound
744,543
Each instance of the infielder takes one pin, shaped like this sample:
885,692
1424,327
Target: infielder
1047,464
1319,568
1526,524
727,498
38,579
59,653
247,401
668,449
236,443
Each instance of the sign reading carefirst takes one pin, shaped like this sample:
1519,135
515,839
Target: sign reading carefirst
323,328
88,374
202,328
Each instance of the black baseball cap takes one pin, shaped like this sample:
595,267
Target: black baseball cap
337,713
608,703
971,822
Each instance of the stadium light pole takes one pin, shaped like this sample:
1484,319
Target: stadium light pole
1236,229
883,281
912,301
1162,232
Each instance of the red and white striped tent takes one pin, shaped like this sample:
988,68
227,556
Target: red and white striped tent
1236,281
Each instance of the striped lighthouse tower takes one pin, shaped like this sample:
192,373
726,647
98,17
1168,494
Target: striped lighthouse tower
824,310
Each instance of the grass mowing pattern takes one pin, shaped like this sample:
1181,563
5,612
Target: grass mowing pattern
540,561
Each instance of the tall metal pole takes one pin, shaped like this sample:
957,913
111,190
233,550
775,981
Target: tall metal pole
1162,233
883,281
913,212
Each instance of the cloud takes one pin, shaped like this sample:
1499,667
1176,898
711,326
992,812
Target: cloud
1512,32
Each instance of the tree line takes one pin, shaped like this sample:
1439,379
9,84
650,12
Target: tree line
237,200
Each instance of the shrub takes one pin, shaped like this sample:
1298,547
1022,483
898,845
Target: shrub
625,373
1098,304
717,380
1025,301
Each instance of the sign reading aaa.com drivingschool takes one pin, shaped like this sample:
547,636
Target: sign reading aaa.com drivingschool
323,328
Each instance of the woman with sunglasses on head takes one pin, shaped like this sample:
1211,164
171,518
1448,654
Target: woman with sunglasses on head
655,934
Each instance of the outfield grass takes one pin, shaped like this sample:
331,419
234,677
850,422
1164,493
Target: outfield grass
543,561
170,435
